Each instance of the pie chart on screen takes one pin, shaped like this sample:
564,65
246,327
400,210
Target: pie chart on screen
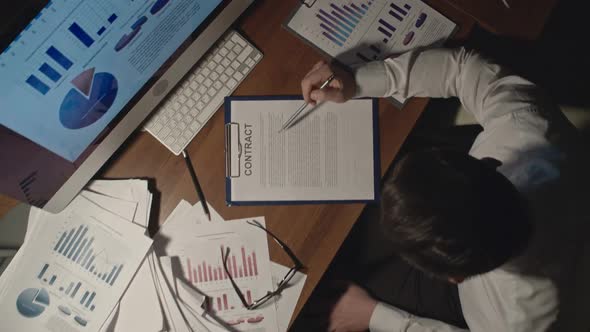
90,98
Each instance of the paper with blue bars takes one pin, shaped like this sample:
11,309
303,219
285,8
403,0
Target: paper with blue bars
359,31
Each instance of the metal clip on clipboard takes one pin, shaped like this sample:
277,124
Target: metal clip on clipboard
233,150
308,3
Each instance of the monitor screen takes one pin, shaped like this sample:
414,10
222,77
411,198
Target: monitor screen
72,71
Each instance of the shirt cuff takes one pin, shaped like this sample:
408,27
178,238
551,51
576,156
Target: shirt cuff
371,80
386,318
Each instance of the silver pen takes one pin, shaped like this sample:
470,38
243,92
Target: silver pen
296,114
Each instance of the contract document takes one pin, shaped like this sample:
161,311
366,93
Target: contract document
329,154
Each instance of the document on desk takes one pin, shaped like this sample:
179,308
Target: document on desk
73,269
329,154
362,31
198,264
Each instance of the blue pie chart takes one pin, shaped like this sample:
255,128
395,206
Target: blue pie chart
32,302
91,97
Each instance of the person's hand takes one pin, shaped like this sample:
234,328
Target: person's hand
341,89
353,311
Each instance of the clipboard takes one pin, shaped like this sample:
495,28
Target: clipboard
234,155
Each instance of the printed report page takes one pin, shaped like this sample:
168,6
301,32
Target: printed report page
326,155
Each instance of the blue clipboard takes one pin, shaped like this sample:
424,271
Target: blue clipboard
228,155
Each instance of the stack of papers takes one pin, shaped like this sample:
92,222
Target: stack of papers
197,292
92,267
74,267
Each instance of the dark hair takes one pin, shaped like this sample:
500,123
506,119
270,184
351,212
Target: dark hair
452,215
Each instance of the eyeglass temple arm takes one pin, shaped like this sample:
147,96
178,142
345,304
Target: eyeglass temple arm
233,283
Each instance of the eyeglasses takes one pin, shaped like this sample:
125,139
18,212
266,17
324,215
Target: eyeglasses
281,285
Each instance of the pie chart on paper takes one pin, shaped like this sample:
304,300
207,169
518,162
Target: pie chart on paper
90,98
32,302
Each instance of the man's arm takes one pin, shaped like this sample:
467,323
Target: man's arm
484,88
356,310
387,318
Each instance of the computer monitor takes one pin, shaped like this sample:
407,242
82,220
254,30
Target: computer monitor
77,77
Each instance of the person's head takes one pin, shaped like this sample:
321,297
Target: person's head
453,216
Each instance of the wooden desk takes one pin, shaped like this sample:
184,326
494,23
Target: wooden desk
524,19
314,232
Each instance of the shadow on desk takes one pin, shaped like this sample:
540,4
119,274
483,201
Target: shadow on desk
558,61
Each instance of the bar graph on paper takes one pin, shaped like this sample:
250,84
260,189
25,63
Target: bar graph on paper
366,30
241,264
78,246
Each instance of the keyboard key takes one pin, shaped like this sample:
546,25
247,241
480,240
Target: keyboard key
188,92
182,99
195,126
212,92
164,132
232,55
230,71
180,142
215,76
257,57
174,134
206,99
200,78
191,103
225,62
196,97
238,49
156,127
200,105
223,51
211,65
219,69
223,78
238,76
206,72
232,83
236,39
169,140
176,106
217,85
242,68
208,82
202,89
194,111
188,133
182,126
235,65
245,53
176,148
194,85
230,44
183,109
178,116
217,58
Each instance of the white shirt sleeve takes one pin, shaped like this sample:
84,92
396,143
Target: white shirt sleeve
387,318
484,89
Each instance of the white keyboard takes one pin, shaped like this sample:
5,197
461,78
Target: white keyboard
188,108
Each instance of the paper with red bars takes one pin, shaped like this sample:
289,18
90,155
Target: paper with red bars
198,248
